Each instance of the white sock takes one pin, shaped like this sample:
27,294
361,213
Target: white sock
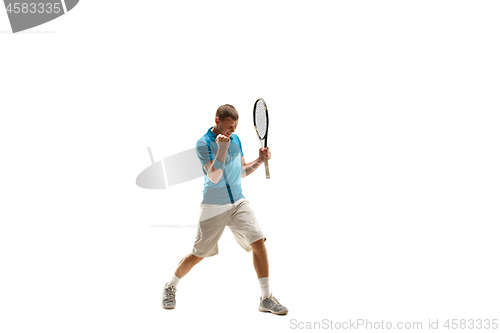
264,285
175,281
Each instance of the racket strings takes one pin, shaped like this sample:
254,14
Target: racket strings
261,119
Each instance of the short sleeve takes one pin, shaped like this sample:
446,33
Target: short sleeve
241,148
204,153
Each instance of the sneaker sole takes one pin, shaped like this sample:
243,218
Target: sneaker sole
282,312
167,307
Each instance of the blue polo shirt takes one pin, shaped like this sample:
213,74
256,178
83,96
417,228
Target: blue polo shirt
228,188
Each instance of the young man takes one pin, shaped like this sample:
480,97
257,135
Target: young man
221,156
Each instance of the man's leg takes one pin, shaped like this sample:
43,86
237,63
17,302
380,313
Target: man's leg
245,229
260,262
268,303
183,268
213,219
185,265
261,265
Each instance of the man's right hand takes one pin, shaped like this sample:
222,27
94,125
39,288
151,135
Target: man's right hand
223,141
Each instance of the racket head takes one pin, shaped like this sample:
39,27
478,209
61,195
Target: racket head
261,119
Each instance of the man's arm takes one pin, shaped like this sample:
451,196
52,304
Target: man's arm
248,168
213,173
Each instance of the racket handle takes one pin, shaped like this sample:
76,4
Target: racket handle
267,168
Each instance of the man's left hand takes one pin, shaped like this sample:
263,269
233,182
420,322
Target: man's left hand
264,153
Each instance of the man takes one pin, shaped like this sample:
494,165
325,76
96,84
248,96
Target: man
221,156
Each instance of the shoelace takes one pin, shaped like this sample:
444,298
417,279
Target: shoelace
170,294
274,300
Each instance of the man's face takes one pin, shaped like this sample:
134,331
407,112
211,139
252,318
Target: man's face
227,126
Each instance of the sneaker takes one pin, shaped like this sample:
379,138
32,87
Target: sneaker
271,304
168,301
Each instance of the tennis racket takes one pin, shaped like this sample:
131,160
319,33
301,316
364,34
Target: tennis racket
261,123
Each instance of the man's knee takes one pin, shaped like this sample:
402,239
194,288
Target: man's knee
195,259
258,245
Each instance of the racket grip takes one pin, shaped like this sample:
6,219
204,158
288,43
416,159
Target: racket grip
267,168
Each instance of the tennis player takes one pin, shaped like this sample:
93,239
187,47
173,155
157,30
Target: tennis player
221,156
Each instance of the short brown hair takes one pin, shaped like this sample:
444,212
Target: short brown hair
225,111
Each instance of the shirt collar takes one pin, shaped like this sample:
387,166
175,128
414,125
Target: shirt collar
211,134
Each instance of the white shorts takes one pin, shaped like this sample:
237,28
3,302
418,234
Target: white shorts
239,217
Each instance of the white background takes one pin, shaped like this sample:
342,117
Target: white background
384,197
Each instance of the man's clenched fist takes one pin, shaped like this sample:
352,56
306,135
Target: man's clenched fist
264,154
223,141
